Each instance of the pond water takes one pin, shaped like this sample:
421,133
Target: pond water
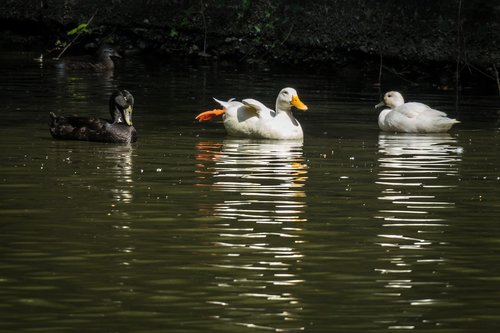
188,230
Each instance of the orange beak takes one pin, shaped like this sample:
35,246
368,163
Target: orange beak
298,103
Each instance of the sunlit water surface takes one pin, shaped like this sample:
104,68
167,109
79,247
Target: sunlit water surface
189,230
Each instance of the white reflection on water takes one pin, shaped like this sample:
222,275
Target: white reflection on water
416,171
121,171
261,214
119,159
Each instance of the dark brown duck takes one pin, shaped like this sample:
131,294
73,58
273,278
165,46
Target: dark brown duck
117,130
103,63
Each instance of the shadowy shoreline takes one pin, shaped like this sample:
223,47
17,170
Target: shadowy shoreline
422,43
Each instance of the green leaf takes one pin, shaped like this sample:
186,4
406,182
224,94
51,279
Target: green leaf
82,27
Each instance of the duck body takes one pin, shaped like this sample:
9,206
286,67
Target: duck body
90,129
411,117
103,63
252,119
117,130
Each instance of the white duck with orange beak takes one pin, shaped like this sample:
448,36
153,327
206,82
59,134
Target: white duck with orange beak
252,119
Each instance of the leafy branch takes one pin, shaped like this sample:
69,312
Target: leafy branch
80,29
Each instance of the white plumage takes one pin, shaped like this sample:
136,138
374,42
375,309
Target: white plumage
252,119
411,117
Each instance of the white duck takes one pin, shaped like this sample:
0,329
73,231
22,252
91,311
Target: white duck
252,119
411,117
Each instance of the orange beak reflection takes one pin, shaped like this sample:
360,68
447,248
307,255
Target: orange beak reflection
298,103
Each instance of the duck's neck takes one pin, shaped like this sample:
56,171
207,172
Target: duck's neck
106,61
116,115
280,109
397,102
286,111
395,105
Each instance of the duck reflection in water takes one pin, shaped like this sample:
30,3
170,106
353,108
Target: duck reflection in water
122,171
258,240
107,169
417,174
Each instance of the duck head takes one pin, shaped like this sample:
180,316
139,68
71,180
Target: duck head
287,98
121,104
104,54
392,99
107,51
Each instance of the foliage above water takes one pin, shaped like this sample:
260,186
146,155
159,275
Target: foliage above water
291,32
81,28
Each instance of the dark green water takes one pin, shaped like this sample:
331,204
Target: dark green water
188,230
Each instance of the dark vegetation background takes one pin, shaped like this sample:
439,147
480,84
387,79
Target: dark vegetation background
413,38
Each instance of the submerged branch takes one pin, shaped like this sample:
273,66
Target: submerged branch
380,70
497,78
459,53
205,29
398,74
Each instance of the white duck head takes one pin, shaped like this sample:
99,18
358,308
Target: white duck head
287,98
392,99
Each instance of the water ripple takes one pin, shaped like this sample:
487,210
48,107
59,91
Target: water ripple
416,173
263,199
